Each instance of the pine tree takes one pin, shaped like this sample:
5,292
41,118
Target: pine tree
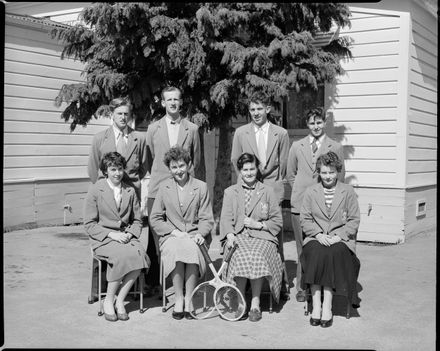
217,53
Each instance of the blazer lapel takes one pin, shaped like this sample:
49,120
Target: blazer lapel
306,151
337,198
109,143
250,133
256,196
172,194
126,191
191,195
131,145
183,132
163,133
325,147
320,200
107,196
272,139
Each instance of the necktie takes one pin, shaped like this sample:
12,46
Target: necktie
314,146
261,148
121,146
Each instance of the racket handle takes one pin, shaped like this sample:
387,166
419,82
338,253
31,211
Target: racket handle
231,252
205,254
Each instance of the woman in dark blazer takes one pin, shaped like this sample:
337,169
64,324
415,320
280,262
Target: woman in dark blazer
112,221
330,220
251,216
182,218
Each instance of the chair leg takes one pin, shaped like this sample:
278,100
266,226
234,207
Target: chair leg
93,282
348,308
270,302
100,312
162,283
141,291
306,306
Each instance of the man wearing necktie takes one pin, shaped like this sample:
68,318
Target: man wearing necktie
123,139
301,173
171,130
270,143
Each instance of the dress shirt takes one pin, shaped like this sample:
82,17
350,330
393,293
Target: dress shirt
263,129
173,130
117,192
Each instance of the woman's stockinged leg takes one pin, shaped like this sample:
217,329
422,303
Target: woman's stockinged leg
316,298
256,285
112,288
177,276
241,285
127,283
191,278
327,304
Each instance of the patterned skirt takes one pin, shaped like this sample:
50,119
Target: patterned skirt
256,258
334,266
181,250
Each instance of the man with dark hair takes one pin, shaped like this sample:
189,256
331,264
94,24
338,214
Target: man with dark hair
172,129
301,173
270,144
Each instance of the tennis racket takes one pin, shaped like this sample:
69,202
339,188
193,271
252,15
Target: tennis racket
217,295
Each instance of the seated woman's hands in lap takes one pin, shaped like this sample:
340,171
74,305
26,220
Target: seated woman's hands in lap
197,237
120,237
252,223
327,240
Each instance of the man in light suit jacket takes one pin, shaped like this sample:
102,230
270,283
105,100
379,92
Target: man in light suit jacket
301,173
123,139
170,130
270,144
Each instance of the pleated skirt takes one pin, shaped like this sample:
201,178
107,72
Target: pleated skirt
181,250
335,266
123,258
256,258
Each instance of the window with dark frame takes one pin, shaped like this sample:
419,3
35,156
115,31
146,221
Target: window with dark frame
296,105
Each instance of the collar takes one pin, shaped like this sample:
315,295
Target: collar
264,127
245,186
319,140
170,121
117,131
114,187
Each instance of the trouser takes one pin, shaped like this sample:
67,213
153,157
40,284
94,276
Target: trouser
153,252
298,233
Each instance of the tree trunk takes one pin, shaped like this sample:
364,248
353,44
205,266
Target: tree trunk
222,171
200,172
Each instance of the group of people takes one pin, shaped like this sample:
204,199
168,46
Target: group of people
325,211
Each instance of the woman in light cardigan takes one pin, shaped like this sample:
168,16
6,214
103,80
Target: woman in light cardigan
330,220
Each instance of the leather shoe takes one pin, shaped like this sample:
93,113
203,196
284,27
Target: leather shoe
178,315
110,317
188,315
254,315
326,324
315,322
300,296
122,316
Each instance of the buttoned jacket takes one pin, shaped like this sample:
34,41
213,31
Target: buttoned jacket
158,144
136,155
263,206
193,216
101,215
277,150
342,219
301,169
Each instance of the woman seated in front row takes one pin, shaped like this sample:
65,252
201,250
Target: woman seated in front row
112,221
330,220
251,216
182,218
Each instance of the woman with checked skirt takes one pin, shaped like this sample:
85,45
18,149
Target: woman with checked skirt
251,216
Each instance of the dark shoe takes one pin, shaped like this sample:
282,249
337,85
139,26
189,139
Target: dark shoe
178,315
254,315
326,324
110,317
122,316
284,296
300,296
244,316
188,315
315,322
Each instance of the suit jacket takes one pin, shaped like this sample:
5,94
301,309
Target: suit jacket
158,144
264,206
194,217
342,219
101,215
277,152
136,156
301,171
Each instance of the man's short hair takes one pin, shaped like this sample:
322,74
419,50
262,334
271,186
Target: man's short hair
260,97
317,112
120,101
168,89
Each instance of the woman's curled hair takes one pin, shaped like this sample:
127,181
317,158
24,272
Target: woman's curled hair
330,159
175,154
112,159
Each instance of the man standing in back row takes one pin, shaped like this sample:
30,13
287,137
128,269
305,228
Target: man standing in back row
301,173
170,130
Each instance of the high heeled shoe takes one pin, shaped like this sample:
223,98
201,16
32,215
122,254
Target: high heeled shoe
188,315
122,316
110,317
315,321
327,323
178,315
